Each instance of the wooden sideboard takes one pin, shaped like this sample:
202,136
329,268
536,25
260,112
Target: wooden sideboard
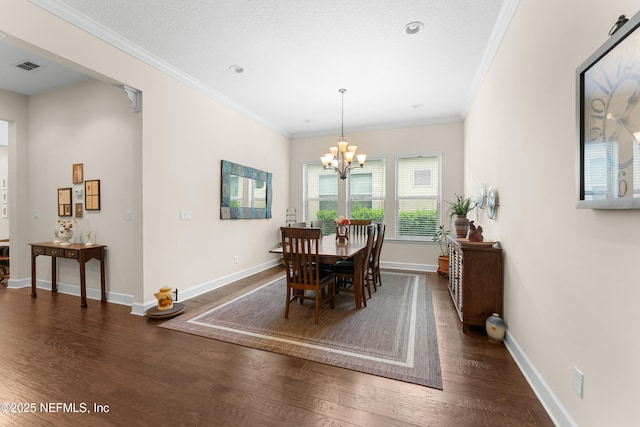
475,281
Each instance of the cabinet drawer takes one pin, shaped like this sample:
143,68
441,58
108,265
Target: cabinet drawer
54,252
37,250
71,254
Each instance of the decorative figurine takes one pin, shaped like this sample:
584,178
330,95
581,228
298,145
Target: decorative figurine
89,239
64,232
165,299
475,234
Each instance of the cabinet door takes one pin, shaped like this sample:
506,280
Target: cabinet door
483,286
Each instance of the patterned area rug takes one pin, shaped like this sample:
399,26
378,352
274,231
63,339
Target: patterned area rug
393,337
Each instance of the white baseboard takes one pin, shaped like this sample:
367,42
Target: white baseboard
427,268
140,309
65,288
546,396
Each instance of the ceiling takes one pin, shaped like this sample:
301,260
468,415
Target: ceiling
296,55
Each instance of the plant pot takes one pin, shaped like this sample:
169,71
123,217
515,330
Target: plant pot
443,265
462,226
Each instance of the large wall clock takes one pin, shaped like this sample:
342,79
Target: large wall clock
608,85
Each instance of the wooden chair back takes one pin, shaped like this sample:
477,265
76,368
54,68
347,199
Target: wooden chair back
359,226
301,254
300,250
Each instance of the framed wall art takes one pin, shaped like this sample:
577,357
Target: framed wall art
77,173
92,195
64,201
608,121
78,210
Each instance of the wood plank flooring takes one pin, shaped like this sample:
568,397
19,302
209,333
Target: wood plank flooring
64,359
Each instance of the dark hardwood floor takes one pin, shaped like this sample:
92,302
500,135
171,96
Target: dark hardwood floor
62,358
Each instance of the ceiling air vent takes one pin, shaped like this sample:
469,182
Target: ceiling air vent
28,66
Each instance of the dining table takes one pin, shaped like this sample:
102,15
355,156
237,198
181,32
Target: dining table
332,250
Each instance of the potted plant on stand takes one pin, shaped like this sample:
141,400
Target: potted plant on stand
443,259
460,208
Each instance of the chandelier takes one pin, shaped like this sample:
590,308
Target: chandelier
341,157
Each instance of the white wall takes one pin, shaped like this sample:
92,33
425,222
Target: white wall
185,135
445,138
90,123
570,279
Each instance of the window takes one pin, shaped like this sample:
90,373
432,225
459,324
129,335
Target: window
365,198
422,177
320,195
418,198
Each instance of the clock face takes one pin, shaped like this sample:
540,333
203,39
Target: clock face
480,195
611,123
491,203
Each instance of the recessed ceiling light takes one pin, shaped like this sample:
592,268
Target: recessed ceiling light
413,27
418,105
236,69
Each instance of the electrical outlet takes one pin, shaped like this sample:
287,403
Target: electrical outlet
235,259
577,381
185,215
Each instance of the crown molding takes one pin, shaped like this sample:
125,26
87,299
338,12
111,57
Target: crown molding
504,18
382,127
103,33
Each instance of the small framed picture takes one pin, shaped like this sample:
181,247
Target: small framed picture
4,183
92,195
5,197
64,201
5,211
78,210
77,173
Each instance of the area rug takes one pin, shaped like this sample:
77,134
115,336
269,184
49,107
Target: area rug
393,337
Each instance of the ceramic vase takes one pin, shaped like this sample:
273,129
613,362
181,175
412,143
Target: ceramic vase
342,232
462,226
495,328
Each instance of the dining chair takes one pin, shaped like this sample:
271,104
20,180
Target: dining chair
300,250
374,262
358,226
345,270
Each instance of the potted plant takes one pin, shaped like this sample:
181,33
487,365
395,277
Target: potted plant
460,208
440,237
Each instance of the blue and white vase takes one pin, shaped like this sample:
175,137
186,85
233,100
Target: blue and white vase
495,328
